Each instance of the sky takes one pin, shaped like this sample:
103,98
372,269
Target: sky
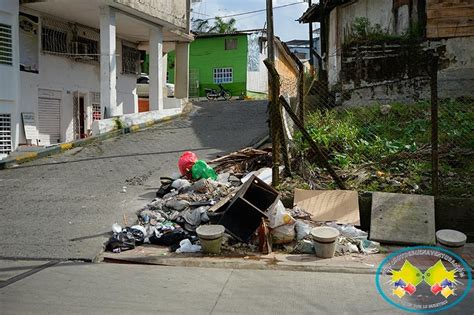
284,18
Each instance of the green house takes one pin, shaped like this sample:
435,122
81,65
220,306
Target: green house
235,60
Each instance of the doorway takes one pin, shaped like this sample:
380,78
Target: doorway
80,115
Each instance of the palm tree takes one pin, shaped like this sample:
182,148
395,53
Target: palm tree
200,26
221,26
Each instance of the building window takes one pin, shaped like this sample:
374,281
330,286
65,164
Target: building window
6,54
223,75
5,134
130,60
53,41
85,48
231,44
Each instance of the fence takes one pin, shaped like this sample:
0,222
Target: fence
359,138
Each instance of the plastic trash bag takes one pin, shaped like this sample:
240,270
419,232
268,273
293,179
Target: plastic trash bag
186,162
280,216
302,230
200,170
185,246
283,234
168,239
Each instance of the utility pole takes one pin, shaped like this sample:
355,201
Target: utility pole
311,44
270,34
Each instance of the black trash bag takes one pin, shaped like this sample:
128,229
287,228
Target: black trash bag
169,239
120,242
135,234
165,187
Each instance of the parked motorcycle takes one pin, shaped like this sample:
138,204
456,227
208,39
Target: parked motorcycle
213,94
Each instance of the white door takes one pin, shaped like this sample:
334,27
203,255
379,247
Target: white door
49,128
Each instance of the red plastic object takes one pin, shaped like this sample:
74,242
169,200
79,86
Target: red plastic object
186,162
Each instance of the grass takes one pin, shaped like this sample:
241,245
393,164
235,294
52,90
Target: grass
387,148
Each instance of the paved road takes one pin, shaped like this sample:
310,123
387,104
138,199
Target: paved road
80,288
63,206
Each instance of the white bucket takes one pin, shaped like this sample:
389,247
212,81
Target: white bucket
324,239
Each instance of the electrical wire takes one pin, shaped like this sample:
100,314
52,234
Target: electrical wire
255,11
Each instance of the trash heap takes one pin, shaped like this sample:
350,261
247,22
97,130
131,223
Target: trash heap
190,208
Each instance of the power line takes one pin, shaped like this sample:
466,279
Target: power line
250,12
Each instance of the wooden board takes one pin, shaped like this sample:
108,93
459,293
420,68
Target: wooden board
29,126
341,206
402,219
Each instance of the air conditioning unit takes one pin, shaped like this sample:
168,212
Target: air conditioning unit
80,51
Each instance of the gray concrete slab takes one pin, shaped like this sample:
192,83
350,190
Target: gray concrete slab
12,268
63,206
75,288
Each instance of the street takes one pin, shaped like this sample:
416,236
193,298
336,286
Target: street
63,207
132,289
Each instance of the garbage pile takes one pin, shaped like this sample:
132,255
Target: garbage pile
239,202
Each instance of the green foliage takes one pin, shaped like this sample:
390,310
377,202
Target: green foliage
118,123
220,26
395,141
362,30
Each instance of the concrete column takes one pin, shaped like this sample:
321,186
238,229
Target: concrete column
156,69
164,62
108,63
181,89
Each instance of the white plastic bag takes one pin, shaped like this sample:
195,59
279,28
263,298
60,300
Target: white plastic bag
283,234
185,246
280,216
116,228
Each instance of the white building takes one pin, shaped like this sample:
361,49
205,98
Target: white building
65,63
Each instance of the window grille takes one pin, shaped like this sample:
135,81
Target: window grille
223,75
5,134
231,44
6,55
130,60
95,101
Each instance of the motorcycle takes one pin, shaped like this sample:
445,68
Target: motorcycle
213,94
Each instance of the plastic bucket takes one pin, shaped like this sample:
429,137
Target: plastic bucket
324,240
451,240
210,237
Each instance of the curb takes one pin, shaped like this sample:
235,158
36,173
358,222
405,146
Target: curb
31,156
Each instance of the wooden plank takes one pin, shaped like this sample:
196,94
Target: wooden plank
458,11
451,22
402,219
435,32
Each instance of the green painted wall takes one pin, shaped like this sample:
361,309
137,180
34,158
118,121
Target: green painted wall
209,53
171,59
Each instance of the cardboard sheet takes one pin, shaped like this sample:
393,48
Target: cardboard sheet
341,206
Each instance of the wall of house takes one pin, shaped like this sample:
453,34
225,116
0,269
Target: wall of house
449,18
209,53
68,76
10,74
399,72
171,11
288,73
257,81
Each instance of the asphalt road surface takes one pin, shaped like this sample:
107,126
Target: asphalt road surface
63,207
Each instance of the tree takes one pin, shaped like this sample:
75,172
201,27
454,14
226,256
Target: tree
220,26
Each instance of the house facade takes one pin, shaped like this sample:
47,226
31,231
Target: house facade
382,49
65,64
235,61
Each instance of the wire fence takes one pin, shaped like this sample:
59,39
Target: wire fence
374,142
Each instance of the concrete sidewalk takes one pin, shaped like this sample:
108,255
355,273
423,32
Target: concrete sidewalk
353,263
81,288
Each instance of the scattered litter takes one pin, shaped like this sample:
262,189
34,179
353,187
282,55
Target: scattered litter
185,246
202,170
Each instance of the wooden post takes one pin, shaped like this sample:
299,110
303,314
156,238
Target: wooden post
270,34
300,92
321,157
434,127
275,120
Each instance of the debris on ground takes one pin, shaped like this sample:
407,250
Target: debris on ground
232,210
